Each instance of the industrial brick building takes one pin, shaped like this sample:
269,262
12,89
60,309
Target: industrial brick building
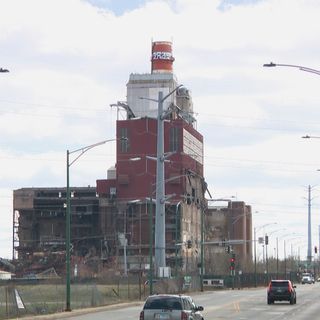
114,221
226,224
39,219
130,187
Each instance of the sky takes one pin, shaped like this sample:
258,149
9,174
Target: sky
70,59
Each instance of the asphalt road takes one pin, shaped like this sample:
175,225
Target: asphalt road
245,304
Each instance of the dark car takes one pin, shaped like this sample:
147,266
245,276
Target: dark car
170,307
281,290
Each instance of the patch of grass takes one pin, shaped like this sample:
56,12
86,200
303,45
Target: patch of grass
50,298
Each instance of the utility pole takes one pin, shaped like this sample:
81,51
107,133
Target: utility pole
309,253
255,256
160,220
79,153
160,239
318,242
202,247
277,258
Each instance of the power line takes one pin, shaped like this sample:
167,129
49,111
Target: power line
103,110
53,106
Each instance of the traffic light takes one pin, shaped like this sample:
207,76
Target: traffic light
233,262
315,249
266,240
228,249
189,244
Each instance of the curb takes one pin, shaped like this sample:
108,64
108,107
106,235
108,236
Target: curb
77,312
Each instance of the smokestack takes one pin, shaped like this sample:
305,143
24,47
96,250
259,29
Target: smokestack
161,59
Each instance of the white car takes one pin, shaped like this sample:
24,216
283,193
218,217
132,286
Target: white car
306,279
170,307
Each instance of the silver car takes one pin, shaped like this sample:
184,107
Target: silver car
307,279
170,307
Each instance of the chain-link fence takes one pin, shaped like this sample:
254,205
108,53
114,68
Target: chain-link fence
38,297
18,298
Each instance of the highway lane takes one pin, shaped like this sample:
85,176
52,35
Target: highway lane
252,304
245,304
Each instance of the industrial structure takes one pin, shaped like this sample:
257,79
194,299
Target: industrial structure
131,185
115,221
230,226
39,224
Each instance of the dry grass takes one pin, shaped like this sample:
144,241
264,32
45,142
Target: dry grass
50,298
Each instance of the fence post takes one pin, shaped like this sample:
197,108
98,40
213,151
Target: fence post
6,290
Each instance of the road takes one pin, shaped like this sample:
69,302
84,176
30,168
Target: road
243,304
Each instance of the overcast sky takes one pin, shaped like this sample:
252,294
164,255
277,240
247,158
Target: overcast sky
70,59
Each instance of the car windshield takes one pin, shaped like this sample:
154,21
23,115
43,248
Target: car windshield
163,303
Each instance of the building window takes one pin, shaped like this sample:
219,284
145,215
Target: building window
124,140
174,139
193,190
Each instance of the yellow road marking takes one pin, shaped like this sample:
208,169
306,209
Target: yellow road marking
231,305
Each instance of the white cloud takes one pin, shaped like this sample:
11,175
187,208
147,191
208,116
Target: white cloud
69,60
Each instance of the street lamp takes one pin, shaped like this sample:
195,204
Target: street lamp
255,249
178,205
285,252
315,71
202,246
271,64
81,151
277,255
310,137
160,236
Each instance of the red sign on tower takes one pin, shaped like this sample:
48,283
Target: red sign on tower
161,59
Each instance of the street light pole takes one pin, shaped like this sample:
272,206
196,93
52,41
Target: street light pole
178,205
150,246
81,151
68,239
255,249
160,257
255,257
277,258
266,244
285,259
315,71
202,247
160,236
306,69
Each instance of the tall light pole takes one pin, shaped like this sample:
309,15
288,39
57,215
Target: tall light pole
277,253
81,151
255,248
160,223
309,250
150,205
309,255
178,206
255,257
202,245
160,236
315,71
272,64
2,70
277,258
